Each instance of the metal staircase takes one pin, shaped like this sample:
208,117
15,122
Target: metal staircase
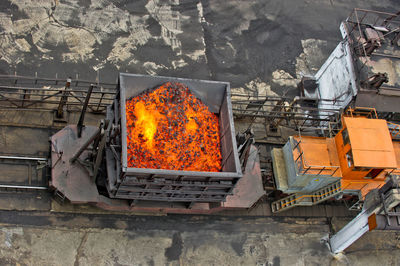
301,199
394,130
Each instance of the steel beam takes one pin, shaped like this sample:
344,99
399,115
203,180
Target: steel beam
85,145
83,112
376,203
64,99
24,187
23,158
171,199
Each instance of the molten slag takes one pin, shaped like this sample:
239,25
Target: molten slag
169,128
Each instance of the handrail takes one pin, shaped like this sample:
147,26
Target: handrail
307,167
361,112
56,80
49,98
310,196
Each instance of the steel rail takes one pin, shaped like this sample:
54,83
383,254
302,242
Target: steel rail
23,187
6,99
374,11
53,95
284,117
279,98
23,158
41,109
55,89
247,103
278,112
75,81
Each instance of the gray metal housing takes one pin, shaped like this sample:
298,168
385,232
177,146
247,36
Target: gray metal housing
170,185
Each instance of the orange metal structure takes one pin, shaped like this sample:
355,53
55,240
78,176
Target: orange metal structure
361,154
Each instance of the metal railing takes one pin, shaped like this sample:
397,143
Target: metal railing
359,18
21,92
282,111
362,112
314,197
388,26
304,168
42,81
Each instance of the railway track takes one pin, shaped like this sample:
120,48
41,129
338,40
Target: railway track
23,173
23,177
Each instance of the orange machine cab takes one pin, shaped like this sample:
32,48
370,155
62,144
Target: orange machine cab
366,152
361,155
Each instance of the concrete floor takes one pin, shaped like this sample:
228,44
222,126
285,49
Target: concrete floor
176,240
254,44
198,245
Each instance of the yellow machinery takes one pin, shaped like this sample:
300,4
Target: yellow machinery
355,161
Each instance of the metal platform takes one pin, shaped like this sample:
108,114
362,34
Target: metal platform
72,181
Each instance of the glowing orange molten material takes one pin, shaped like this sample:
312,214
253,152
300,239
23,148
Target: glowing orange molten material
169,128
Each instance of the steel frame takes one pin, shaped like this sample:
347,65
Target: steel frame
21,92
283,111
360,18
